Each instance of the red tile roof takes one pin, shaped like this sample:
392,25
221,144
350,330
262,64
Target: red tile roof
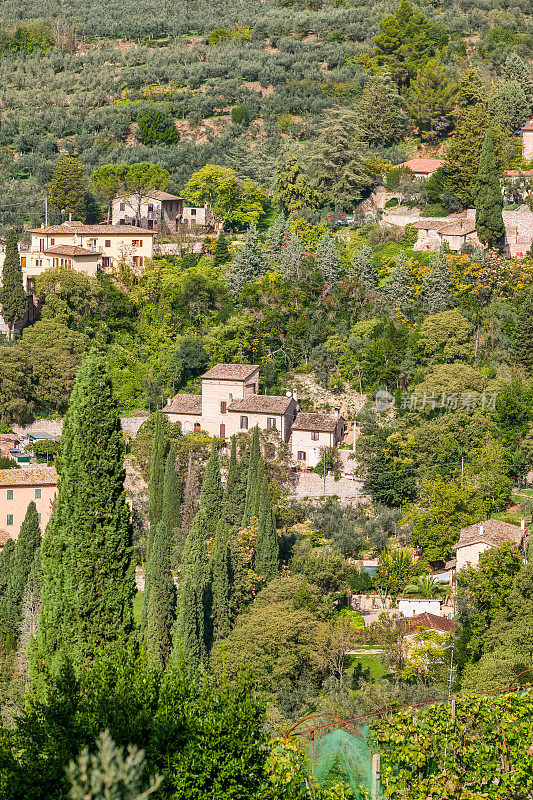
528,126
185,404
230,372
518,173
314,422
490,531
423,165
71,250
427,620
28,476
92,230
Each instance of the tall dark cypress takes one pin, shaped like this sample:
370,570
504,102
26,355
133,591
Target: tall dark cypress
267,548
12,295
221,580
160,600
233,507
88,579
195,601
523,337
6,557
251,481
28,541
171,510
488,197
157,474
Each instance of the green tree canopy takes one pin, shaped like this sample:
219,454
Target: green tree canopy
12,295
292,191
67,188
107,181
229,199
380,115
488,197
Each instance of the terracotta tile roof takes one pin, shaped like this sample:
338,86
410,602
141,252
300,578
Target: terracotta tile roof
429,224
262,404
230,372
29,476
185,404
427,620
528,126
160,195
518,173
71,250
423,165
314,422
459,228
91,230
4,536
490,531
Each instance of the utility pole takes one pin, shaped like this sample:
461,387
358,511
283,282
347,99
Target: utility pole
324,469
46,211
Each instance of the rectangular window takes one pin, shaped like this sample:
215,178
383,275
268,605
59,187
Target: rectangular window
10,494
37,494
23,261
52,242
150,223
123,206
193,212
315,436
301,455
42,248
271,422
30,285
107,243
39,518
222,431
122,222
222,407
9,519
150,206
244,423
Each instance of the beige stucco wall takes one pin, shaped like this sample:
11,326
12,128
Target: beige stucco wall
120,244
188,421
470,554
22,497
216,391
301,441
527,145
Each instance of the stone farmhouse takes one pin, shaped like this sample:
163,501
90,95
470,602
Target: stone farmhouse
481,536
161,211
18,487
230,403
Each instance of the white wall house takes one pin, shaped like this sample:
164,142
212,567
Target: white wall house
230,404
476,539
412,607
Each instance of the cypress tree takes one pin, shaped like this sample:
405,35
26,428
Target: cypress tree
267,549
222,254
363,267
171,510
195,602
30,607
398,289
159,600
29,539
470,89
293,191
488,196
6,557
157,473
438,291
190,498
12,295
67,189
251,477
381,118
221,581
523,339
88,573
233,505
327,260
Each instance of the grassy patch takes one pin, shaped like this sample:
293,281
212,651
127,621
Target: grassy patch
373,663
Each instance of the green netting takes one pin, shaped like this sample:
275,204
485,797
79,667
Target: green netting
342,757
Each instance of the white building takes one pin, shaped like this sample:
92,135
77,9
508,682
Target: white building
230,403
413,607
476,539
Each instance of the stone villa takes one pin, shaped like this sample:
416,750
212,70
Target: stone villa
230,403
161,211
481,536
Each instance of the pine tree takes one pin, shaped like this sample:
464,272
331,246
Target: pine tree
292,191
171,510
159,600
233,505
291,257
249,264
488,196
462,155
327,260
470,89
195,602
157,473
363,267
222,254
382,120
276,239
254,460
431,101
523,337
337,165
67,188
6,558
516,69
509,106
29,539
267,549
12,295
405,42
398,288
221,581
437,287
88,573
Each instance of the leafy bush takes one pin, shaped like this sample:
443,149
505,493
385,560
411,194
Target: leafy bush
434,210
240,116
392,202
156,128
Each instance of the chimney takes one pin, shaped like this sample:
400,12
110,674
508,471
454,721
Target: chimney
481,529
337,414
295,395
523,524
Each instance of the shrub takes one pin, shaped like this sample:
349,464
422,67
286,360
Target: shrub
392,202
434,210
240,116
156,128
